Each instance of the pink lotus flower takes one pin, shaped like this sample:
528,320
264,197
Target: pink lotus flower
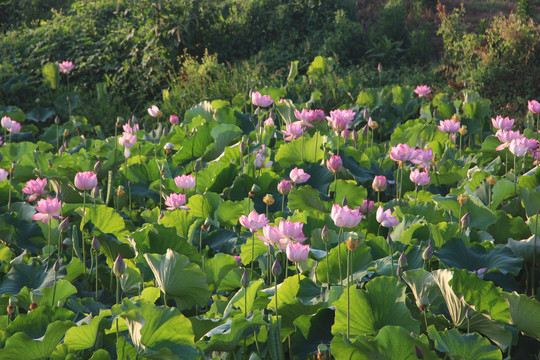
419,178
259,100
449,126
340,119
284,187
238,259
385,218
271,235
501,123
291,231
401,152
345,133
85,180
260,161
48,209
367,207
297,252
422,91
345,217
269,122
127,140
130,130
533,106
4,174
293,131
422,158
253,221
522,145
505,136
316,116
298,176
11,126
334,164
175,201
174,120
66,67
185,182
379,183
305,117
35,188
154,111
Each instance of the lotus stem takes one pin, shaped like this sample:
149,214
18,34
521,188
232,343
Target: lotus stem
348,297
534,257
316,146
82,233
339,256
97,267
327,266
252,251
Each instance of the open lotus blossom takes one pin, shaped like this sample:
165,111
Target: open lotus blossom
35,188
66,67
3,174
253,221
533,106
129,129
284,187
260,161
340,119
154,111
385,218
85,180
367,207
176,201
501,123
261,100
271,235
185,182
291,231
298,176
305,117
505,136
11,126
449,126
127,140
297,252
401,152
422,90
522,145
345,217
316,116
379,183
423,158
420,178
293,131
48,209
334,164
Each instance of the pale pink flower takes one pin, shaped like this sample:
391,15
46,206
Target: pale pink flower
305,117
334,164
269,122
260,161
422,91
174,120
35,188
533,106
297,252
154,111
449,126
284,187
4,174
11,126
367,207
293,131
298,176
271,235
505,136
130,130
420,178
316,116
522,145
253,221
185,182
175,201
401,152
340,119
66,67
345,133
259,100
48,209
379,183
127,140
422,158
385,218
502,123
291,231
85,180
345,217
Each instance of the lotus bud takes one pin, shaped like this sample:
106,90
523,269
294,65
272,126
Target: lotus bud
366,113
428,252
242,147
402,260
67,242
344,202
276,268
56,265
245,279
464,222
119,266
365,130
284,187
418,352
399,271
389,240
379,67
325,234
57,120
64,225
354,135
372,124
462,199
95,244
197,167
97,166
164,131
268,199
95,192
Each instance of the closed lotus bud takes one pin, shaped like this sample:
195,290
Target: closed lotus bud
64,225
491,180
95,244
402,260
57,120
418,352
465,220
389,240
242,147
276,268
379,67
428,252
245,279
56,265
97,166
365,130
120,191
268,199
119,266
462,199
344,202
198,166
354,135
399,271
118,122
366,113
463,130
325,234
95,192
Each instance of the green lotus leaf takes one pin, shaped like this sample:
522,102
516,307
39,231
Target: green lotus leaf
51,75
64,289
313,330
480,216
106,219
354,193
229,212
248,299
223,135
382,303
464,346
179,219
203,109
424,288
524,313
391,343
525,248
179,279
216,268
361,260
83,336
100,354
305,198
509,227
456,254
193,147
252,249
204,206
